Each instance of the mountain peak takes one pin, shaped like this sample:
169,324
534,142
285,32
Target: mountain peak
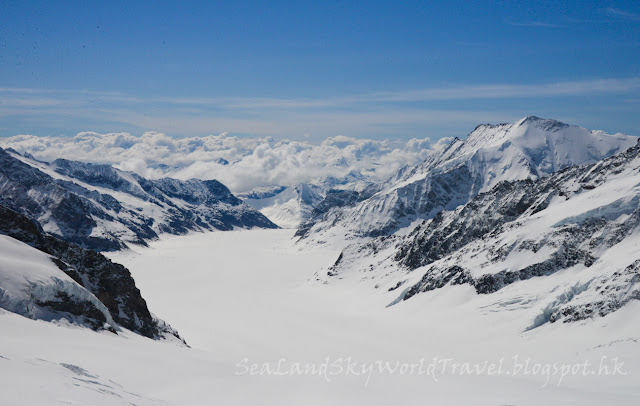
530,148
547,124
490,135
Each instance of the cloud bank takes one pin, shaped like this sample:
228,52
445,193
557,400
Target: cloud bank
240,163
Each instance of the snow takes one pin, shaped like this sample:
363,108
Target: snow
613,200
527,149
28,276
291,206
246,295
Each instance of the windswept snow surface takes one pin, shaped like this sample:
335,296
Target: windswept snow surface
243,297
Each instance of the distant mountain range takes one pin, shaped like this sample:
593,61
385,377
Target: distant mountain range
55,216
103,208
293,206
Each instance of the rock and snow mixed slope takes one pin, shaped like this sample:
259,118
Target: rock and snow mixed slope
33,286
45,278
289,206
102,208
233,307
294,206
527,149
258,307
567,244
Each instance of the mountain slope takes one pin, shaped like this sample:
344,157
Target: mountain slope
528,149
293,206
290,206
33,286
257,301
102,208
43,277
568,244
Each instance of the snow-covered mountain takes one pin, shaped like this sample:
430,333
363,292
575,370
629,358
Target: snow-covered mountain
530,148
566,246
102,208
293,206
290,206
45,278
256,301
33,286
258,308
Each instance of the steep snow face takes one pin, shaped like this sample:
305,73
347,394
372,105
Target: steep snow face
527,149
531,148
102,208
292,206
33,286
569,243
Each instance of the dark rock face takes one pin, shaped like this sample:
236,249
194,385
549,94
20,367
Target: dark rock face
438,279
86,312
101,208
111,283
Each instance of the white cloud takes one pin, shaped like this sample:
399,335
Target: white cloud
616,12
252,161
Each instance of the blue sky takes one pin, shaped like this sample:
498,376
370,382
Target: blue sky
313,69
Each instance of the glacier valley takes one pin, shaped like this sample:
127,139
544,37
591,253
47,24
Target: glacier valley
502,269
